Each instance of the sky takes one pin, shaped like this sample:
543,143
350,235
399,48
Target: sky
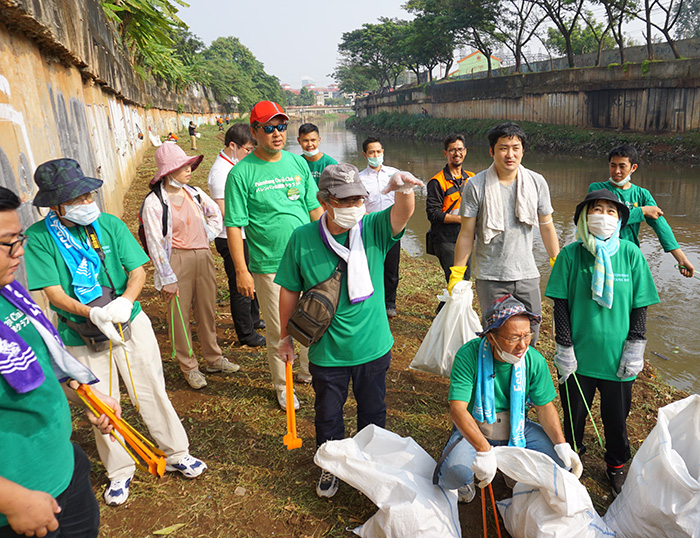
292,39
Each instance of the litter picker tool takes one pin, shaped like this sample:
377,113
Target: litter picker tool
290,440
483,511
145,454
176,301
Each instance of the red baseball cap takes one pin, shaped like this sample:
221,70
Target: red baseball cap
265,111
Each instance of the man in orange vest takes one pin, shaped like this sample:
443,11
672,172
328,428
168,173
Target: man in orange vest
442,203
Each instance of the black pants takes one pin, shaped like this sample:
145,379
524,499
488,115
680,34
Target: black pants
445,252
80,514
391,275
331,388
615,402
244,311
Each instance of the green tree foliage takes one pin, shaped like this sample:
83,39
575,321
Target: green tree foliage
237,77
583,39
427,41
305,98
564,14
354,78
689,20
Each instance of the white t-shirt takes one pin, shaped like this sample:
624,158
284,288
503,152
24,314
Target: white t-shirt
217,181
375,182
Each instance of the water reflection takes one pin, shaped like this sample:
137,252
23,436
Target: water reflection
672,325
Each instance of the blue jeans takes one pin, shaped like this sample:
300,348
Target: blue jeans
331,388
456,470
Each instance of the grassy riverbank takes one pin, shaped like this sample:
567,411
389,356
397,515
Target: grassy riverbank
542,137
254,486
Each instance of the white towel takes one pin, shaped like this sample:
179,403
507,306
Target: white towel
525,205
359,282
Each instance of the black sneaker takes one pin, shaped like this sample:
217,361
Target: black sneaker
254,340
327,485
260,324
617,479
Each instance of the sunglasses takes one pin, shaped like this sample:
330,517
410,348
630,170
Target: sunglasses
269,129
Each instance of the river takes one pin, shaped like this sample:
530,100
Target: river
672,326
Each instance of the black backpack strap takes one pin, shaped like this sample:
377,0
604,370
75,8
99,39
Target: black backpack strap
95,243
156,190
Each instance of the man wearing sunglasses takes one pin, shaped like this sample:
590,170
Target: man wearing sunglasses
270,193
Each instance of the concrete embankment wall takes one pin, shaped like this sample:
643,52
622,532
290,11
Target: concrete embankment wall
654,97
67,90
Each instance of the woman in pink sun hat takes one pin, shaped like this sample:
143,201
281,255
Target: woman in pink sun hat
178,244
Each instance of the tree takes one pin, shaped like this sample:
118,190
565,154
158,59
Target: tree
564,15
671,10
583,39
427,41
518,25
617,13
354,78
688,24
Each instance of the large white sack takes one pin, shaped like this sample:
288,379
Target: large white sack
547,501
661,495
454,326
396,474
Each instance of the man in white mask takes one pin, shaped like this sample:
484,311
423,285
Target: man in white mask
309,139
492,377
357,344
91,269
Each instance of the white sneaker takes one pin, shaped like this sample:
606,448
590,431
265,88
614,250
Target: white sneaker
282,399
118,491
466,494
189,466
327,485
196,379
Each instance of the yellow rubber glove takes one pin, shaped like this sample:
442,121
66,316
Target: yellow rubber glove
456,274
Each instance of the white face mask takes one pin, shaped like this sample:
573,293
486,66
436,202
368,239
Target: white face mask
311,153
82,214
508,357
602,226
622,182
347,217
376,162
175,183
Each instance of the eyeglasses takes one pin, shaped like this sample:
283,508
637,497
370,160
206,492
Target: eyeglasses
517,339
347,202
246,149
79,200
269,129
15,245
455,151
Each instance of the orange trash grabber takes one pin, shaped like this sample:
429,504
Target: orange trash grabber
148,457
290,440
483,511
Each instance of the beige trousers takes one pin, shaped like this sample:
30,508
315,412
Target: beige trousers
268,294
155,408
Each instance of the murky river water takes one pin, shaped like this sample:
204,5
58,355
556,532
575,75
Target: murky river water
674,325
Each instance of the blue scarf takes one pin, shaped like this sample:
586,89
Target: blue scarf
603,279
484,409
81,259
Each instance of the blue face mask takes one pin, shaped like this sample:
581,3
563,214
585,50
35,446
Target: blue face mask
82,214
375,162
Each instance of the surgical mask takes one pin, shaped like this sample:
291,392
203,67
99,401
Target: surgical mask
82,214
311,153
375,162
508,357
602,226
347,217
175,183
622,182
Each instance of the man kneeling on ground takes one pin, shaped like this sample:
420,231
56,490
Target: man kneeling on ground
492,377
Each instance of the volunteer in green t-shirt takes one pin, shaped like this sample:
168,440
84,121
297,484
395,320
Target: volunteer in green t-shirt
623,162
269,193
601,286
357,344
45,485
309,140
78,255
492,377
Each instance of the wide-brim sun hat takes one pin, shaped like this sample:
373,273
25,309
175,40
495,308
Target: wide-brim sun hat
502,309
61,180
342,181
171,157
604,194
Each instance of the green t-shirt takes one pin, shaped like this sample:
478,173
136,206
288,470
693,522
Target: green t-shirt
598,333
539,387
317,167
35,427
45,265
635,198
359,333
270,199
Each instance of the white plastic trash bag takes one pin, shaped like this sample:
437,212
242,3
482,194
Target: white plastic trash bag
454,326
661,495
547,501
397,475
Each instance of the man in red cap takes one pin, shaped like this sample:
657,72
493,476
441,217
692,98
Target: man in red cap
270,192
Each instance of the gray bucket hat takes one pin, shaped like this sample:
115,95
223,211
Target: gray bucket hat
342,181
61,180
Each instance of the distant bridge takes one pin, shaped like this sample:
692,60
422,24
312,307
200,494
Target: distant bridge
303,112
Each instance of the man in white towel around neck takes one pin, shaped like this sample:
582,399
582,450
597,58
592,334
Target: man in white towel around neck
357,344
501,207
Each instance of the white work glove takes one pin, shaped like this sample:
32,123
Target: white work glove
402,182
569,458
103,321
285,349
632,360
565,361
119,310
484,468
